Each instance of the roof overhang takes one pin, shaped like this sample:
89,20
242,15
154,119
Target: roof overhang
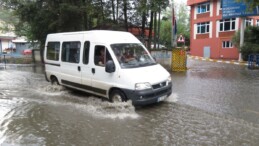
193,2
7,37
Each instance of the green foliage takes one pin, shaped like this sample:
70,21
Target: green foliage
165,33
183,25
37,18
251,42
251,4
8,19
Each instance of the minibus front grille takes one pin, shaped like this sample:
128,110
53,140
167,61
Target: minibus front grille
159,85
159,93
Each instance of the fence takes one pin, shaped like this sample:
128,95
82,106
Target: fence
17,58
173,60
163,57
179,60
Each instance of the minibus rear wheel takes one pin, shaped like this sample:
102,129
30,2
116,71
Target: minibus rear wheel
117,96
54,80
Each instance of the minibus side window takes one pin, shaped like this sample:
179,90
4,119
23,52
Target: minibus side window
71,52
101,55
53,50
86,52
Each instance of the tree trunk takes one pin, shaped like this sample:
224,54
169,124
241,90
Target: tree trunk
155,29
117,11
113,11
125,14
150,30
159,24
102,10
143,27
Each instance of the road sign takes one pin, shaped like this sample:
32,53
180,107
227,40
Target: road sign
233,9
181,39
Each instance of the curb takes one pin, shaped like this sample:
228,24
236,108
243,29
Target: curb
218,61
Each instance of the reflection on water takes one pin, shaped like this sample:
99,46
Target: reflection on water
207,107
220,88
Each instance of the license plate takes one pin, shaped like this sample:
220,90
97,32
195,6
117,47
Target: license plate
161,98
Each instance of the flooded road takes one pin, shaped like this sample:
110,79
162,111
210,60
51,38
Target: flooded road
212,104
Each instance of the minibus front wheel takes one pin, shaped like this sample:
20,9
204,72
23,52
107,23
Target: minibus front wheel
117,96
54,80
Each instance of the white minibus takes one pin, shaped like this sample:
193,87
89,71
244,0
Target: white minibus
110,64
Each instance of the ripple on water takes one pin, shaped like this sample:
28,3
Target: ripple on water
185,125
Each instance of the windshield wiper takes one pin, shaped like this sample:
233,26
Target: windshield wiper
147,64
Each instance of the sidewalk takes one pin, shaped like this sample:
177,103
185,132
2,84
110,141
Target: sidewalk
218,60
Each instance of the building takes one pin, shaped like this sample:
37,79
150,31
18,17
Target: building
6,38
210,34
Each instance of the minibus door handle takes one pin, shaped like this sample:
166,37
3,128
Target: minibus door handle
79,68
93,70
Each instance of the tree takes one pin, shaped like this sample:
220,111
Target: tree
183,22
37,18
251,4
41,17
8,20
165,32
251,41
155,7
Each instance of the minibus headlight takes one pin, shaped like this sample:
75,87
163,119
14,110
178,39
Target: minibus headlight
142,86
169,80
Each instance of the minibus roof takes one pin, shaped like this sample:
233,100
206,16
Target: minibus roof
101,36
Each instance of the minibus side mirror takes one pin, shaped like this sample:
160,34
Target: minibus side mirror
110,66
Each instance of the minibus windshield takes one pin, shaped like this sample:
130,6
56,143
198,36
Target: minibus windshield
132,55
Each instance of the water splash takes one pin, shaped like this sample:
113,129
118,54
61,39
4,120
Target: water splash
172,98
105,109
53,88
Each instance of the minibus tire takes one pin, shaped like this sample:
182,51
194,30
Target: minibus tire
54,80
117,96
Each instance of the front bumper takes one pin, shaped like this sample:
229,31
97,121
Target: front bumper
150,96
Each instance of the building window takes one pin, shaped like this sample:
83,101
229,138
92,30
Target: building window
227,24
203,8
227,44
257,22
203,27
248,22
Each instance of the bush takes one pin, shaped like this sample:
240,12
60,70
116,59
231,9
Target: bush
249,48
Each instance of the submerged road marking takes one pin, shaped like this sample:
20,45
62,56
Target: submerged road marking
219,61
252,111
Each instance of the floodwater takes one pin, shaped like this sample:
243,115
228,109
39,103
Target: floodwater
212,104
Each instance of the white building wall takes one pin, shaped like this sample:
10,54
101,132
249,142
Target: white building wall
211,29
218,7
211,8
194,31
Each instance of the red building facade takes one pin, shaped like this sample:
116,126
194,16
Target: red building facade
210,35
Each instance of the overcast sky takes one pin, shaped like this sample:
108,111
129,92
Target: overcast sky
180,1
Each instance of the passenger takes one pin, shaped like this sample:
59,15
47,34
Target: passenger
127,56
101,58
118,56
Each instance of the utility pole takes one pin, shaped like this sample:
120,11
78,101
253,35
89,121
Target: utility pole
173,26
242,34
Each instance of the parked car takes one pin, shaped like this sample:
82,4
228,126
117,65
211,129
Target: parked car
160,46
27,52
